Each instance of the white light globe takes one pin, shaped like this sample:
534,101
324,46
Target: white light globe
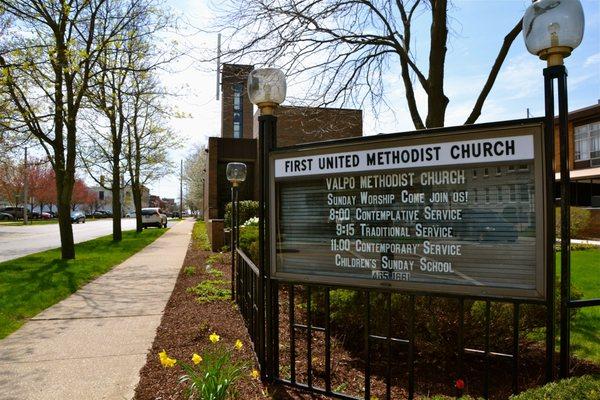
266,85
553,23
236,172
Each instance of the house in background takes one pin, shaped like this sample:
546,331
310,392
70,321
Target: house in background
238,142
103,199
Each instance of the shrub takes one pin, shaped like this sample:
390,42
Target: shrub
247,209
581,388
580,218
211,290
249,242
436,320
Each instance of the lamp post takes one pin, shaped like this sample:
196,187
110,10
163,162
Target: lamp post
266,89
551,30
236,174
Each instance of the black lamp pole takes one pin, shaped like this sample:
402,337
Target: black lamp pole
234,235
559,73
267,129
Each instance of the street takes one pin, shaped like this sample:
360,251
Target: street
19,241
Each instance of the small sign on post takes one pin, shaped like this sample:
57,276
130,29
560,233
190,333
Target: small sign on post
459,212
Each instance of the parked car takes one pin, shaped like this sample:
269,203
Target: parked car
130,214
101,214
485,226
6,217
153,217
77,217
16,212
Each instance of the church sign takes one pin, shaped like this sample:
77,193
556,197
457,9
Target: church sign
459,212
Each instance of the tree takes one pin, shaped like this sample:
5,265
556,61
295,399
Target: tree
148,138
11,181
108,96
345,47
46,62
194,174
82,195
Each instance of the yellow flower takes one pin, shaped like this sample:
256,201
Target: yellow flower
238,344
254,374
165,360
214,337
196,359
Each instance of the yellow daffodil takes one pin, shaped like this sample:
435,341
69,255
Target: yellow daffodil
196,359
254,374
214,337
238,344
165,360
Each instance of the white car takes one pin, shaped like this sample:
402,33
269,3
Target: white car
154,217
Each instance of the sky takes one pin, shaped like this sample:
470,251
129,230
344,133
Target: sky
477,28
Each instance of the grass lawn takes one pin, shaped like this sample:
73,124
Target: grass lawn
33,283
585,329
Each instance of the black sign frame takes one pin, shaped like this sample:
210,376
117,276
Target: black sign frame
496,130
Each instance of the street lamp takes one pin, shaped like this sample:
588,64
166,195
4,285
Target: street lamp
266,89
236,174
551,30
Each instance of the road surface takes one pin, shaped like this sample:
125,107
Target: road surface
19,241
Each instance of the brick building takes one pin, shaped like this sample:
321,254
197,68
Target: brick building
238,141
584,157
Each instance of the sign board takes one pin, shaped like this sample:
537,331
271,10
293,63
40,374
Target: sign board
459,212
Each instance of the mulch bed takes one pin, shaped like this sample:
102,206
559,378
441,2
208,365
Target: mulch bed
187,323
184,330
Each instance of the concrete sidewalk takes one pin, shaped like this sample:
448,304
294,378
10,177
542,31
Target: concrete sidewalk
93,344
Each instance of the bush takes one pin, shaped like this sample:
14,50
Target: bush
247,209
580,218
249,242
581,388
436,322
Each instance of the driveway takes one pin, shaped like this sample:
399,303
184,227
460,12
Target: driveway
19,241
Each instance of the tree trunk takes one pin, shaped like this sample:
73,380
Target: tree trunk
436,99
137,203
116,204
64,188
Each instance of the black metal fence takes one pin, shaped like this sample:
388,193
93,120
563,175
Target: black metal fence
302,321
250,300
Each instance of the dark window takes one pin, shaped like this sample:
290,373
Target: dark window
238,108
101,195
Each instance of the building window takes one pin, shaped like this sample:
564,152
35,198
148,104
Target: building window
512,193
101,195
474,173
486,172
487,195
499,194
238,108
498,171
587,142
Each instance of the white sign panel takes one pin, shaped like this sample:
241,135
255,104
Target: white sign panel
512,148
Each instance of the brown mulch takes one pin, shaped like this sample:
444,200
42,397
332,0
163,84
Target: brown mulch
186,325
184,330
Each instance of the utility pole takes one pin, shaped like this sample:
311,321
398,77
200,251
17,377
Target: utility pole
25,190
181,189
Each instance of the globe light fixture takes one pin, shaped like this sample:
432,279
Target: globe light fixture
236,173
553,28
266,89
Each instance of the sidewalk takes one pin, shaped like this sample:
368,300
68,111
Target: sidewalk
93,344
